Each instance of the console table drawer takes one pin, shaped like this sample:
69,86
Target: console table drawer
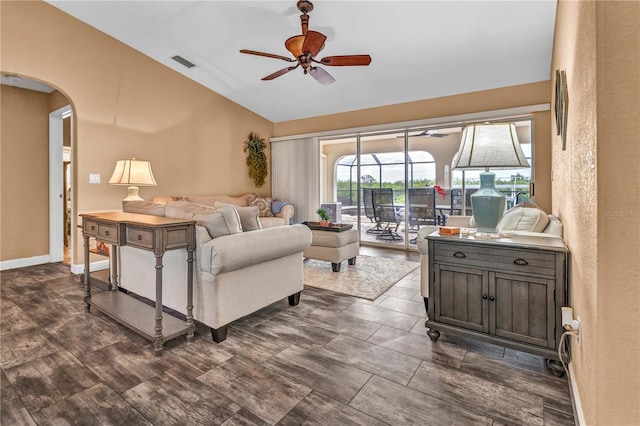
514,260
91,228
107,233
140,237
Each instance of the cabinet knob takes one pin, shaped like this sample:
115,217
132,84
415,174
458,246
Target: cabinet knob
492,298
93,228
106,233
459,255
484,296
139,237
520,262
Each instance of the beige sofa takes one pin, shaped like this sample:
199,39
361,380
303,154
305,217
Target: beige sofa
522,219
271,213
239,268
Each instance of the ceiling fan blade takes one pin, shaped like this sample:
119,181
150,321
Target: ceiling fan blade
346,60
268,55
279,73
321,75
313,42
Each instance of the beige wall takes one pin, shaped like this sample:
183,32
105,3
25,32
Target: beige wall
125,105
24,170
596,190
488,100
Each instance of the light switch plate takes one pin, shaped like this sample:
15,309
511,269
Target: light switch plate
94,178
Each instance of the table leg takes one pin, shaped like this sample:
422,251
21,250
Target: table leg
190,324
115,252
86,278
158,339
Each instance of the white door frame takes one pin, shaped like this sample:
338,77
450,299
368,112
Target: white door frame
56,185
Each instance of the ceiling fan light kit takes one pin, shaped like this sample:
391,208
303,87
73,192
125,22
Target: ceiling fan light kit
305,48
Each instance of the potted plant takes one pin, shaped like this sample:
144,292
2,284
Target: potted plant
324,217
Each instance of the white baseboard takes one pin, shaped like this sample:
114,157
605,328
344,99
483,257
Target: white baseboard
44,259
21,263
575,396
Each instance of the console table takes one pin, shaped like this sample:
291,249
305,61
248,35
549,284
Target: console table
146,232
507,290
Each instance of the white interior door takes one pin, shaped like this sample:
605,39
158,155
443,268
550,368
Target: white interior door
56,185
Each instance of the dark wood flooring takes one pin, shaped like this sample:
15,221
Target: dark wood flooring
331,360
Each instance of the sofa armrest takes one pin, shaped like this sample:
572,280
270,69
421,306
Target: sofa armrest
236,251
286,213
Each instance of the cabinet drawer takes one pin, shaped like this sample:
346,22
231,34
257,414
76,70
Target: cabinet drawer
107,233
90,228
140,237
505,259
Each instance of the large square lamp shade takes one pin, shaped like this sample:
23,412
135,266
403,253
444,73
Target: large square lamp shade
489,146
133,173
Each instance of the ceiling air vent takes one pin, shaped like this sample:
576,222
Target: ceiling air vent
183,61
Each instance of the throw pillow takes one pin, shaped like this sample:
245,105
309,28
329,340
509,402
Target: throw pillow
223,221
264,207
521,218
249,218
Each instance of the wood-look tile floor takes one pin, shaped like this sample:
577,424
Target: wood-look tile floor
331,360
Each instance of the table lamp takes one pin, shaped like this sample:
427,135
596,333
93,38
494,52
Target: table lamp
485,146
133,173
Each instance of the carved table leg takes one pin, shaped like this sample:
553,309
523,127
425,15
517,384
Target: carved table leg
158,339
190,324
86,280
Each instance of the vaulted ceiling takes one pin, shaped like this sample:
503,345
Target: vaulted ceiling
419,49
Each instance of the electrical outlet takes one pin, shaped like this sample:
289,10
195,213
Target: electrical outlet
94,178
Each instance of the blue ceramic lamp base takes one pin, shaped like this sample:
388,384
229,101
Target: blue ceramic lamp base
487,204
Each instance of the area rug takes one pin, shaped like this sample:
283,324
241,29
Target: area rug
368,278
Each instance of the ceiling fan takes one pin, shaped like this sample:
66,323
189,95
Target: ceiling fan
305,48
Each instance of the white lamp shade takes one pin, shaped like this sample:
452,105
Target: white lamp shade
133,172
485,146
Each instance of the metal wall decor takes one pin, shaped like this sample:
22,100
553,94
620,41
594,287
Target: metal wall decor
562,106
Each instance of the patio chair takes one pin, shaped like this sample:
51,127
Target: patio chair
421,209
386,213
369,211
456,201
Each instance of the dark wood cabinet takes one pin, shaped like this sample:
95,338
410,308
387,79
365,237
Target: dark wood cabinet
507,291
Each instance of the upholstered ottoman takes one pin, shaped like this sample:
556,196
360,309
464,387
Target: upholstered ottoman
334,247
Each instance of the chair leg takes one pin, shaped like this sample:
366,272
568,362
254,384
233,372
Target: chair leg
426,305
335,267
219,334
352,261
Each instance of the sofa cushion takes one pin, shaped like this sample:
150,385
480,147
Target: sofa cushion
249,218
211,200
143,207
521,218
223,221
264,207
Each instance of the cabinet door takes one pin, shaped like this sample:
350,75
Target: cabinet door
461,297
522,308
